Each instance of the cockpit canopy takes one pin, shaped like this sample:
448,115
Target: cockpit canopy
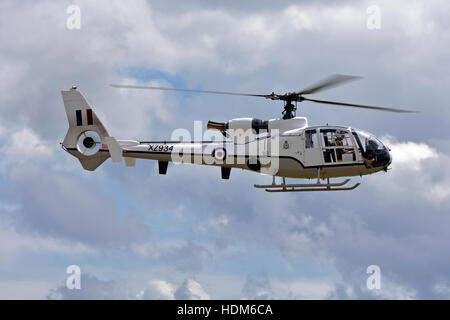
372,148
368,141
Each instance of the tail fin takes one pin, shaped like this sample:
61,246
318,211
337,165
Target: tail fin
87,138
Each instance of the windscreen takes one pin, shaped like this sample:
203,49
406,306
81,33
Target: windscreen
369,141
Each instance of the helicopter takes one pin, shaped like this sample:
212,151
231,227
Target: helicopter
285,147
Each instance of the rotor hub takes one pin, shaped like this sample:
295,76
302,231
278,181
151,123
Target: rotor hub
88,142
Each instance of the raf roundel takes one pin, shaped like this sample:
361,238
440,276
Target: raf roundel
219,154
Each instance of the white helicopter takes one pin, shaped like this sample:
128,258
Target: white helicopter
285,147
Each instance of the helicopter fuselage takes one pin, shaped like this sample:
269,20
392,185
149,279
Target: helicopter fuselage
299,154
277,147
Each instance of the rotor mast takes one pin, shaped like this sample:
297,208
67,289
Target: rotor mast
290,108
289,111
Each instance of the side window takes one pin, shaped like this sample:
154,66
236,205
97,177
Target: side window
346,140
333,137
328,136
311,139
337,146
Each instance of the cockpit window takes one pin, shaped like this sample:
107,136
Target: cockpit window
369,142
374,152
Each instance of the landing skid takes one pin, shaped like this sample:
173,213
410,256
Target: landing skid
283,187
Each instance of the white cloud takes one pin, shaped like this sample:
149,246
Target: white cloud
410,155
419,172
158,290
24,145
191,290
299,18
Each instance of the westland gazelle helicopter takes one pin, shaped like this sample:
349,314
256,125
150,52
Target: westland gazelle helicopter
285,147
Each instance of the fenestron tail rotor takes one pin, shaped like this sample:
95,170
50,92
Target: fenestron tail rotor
288,98
89,143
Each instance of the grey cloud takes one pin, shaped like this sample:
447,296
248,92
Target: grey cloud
257,287
92,288
73,209
53,202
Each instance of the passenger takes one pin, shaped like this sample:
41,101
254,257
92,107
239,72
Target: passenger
339,151
338,141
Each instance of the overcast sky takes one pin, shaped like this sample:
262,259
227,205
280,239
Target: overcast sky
190,235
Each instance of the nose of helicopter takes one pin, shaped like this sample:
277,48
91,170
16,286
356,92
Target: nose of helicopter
384,158
375,151
390,159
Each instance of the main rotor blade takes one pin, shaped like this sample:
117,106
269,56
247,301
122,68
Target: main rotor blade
329,82
186,90
360,106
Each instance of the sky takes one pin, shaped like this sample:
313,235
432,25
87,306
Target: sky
136,234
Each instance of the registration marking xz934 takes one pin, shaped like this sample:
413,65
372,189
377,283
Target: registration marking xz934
160,147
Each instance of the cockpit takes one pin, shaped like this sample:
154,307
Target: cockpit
372,149
345,146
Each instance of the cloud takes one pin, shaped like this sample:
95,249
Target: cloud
16,243
24,289
419,170
71,209
23,145
92,288
257,287
191,290
158,290
52,203
411,155
390,290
